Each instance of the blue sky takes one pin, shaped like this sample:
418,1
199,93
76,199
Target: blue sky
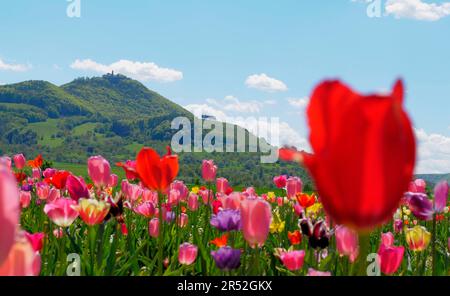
204,51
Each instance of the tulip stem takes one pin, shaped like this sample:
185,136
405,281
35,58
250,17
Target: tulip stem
160,236
433,246
364,245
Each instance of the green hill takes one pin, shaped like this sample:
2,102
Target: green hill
113,116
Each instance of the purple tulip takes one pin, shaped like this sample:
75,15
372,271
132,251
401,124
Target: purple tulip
420,205
227,220
227,258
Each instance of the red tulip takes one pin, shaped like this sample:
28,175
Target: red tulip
156,172
130,169
25,199
256,216
364,153
58,179
9,212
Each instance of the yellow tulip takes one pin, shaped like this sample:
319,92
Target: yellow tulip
418,238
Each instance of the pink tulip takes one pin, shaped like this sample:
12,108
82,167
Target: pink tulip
22,260
153,227
132,192
181,188
387,239
256,216
36,240
231,201
347,242
150,196
53,195
77,188
187,254
9,212
24,199
174,197
183,220
398,225
19,161
390,258
222,185
5,162
58,233
313,272
440,196
205,195
113,180
99,170
61,211
146,209
298,209
417,186
48,173
209,170
293,260
293,186
280,181
36,173
249,192
42,190
193,203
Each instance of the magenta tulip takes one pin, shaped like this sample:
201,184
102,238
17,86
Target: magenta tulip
113,180
280,181
36,240
390,258
209,170
256,216
99,171
77,188
187,254
293,260
193,203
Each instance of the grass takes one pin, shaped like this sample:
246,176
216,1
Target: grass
84,128
46,131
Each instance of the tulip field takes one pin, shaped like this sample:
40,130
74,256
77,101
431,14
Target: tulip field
367,216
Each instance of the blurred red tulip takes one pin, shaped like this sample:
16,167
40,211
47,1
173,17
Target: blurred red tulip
364,153
155,172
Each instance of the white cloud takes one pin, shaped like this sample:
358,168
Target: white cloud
265,83
434,153
417,9
14,67
142,71
233,104
277,133
299,103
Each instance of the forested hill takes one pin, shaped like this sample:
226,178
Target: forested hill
113,116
